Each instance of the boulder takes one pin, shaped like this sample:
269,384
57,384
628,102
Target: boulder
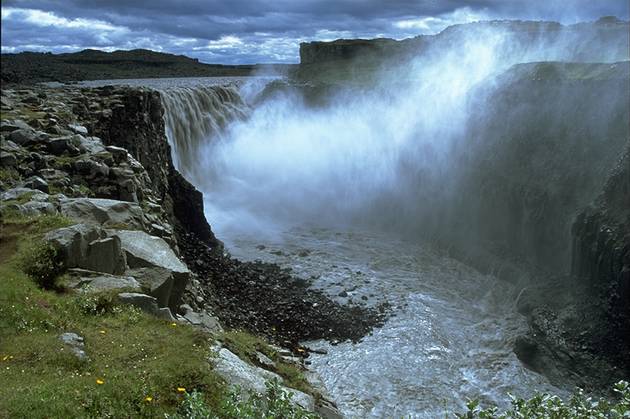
35,182
91,145
119,153
247,377
27,136
105,255
203,320
91,168
63,145
146,251
73,242
33,208
17,193
10,126
75,343
156,281
164,313
144,302
79,129
90,281
103,211
8,160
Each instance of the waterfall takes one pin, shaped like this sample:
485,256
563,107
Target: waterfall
194,115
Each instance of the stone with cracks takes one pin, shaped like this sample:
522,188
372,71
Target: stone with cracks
146,251
103,211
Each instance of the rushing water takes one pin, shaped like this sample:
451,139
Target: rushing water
450,337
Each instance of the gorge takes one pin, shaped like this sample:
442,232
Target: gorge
457,214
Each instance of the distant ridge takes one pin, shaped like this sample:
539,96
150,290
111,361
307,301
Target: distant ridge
590,35
90,64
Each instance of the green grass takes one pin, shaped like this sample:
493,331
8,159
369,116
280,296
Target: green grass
134,355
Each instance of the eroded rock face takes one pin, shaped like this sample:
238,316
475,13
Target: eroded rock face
87,246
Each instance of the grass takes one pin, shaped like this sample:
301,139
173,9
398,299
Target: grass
137,366
140,361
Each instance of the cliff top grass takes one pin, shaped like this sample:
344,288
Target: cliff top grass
137,366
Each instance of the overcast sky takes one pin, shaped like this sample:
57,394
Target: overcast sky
253,31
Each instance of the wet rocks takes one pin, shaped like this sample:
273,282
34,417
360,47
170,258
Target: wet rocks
265,299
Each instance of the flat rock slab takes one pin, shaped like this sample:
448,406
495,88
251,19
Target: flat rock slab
203,320
107,212
237,372
89,281
145,251
144,302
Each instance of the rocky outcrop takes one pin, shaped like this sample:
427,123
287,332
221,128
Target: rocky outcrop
154,264
588,42
517,192
580,324
117,110
601,251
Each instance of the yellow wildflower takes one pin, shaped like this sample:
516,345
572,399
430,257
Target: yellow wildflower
102,332
99,381
181,389
173,324
148,399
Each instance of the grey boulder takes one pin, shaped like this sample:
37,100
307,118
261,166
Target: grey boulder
144,302
155,265
75,343
88,247
103,211
90,281
237,372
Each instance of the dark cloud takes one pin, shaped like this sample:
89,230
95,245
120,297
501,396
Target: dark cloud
236,31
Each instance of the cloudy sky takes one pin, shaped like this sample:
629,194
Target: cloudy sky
251,31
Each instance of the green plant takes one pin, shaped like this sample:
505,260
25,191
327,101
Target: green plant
546,406
42,262
275,403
